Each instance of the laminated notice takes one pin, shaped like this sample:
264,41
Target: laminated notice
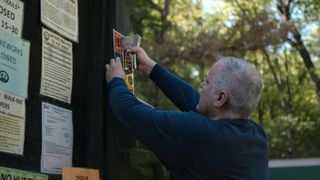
121,44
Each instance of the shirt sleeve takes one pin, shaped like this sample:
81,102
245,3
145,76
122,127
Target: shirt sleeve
161,131
182,94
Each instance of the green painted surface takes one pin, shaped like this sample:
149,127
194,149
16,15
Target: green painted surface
295,173
15,174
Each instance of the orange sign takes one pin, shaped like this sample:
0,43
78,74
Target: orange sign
69,173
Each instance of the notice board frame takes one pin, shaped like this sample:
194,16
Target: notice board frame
96,133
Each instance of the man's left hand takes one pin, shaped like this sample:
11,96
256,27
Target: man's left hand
114,69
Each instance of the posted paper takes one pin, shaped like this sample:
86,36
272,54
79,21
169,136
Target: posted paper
11,16
12,123
56,73
15,174
14,64
61,16
70,173
57,138
121,44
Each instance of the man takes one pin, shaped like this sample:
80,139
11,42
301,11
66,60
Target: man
212,137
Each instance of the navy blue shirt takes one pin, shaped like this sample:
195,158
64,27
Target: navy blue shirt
191,145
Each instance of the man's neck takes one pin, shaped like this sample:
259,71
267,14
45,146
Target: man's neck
226,115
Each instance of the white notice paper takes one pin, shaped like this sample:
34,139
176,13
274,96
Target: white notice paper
56,73
57,139
11,16
61,16
12,123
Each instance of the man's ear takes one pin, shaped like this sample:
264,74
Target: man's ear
221,98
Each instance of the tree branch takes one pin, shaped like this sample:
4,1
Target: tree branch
284,9
240,7
155,6
292,42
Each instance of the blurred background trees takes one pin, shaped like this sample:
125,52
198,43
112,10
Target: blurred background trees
280,37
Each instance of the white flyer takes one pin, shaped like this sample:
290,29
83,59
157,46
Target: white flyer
12,123
11,16
62,17
57,139
56,73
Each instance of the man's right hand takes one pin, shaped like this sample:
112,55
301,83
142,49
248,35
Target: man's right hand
145,63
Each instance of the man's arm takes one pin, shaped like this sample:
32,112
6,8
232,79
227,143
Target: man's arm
157,129
182,94
161,131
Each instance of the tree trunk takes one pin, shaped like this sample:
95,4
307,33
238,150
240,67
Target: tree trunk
284,7
304,53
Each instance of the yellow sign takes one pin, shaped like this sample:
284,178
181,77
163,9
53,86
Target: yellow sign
7,173
69,173
12,123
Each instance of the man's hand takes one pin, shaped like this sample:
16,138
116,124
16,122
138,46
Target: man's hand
114,69
145,63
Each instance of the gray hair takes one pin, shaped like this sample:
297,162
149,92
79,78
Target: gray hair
242,82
